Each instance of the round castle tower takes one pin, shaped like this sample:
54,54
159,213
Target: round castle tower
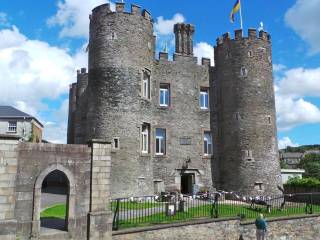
246,152
121,53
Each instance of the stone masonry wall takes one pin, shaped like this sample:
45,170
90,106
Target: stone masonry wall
121,48
182,119
246,136
303,228
36,161
8,172
300,228
117,109
100,216
200,230
23,169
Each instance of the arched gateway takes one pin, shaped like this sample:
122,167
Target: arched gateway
85,170
37,196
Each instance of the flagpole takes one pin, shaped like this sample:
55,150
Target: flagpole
241,23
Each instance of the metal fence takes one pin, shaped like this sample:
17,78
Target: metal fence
148,210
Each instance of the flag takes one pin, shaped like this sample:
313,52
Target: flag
235,9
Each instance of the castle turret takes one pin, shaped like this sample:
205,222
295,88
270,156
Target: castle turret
244,120
184,38
121,55
81,106
72,112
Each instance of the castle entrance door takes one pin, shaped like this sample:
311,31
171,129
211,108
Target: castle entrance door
187,182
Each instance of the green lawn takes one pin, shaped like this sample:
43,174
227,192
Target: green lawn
203,211
135,205
245,212
55,211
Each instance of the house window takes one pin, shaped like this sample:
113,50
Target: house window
146,84
160,141
164,95
12,127
207,143
204,98
116,143
145,134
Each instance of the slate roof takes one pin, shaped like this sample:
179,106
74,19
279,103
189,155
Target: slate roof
292,155
11,112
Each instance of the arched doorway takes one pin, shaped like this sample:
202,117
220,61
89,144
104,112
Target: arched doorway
54,201
41,187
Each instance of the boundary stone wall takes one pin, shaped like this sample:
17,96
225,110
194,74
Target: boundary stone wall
23,168
295,228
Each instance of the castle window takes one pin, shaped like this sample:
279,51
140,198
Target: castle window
243,72
269,119
204,98
258,186
12,127
145,135
207,143
237,116
250,54
116,143
160,141
164,95
146,85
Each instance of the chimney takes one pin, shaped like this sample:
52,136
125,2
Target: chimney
184,38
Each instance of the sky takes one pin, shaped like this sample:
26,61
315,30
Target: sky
42,44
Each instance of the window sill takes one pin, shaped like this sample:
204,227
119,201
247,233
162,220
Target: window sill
10,132
205,109
145,154
207,156
160,156
164,107
146,99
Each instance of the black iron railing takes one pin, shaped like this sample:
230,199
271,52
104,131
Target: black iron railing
167,208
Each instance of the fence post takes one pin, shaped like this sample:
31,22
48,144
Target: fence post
115,222
214,211
311,203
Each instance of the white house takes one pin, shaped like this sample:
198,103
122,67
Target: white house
14,122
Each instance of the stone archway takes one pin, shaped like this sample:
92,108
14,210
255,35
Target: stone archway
37,197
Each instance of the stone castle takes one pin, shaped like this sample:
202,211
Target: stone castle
174,124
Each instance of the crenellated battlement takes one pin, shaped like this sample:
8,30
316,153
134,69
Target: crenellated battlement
81,71
164,57
120,8
238,36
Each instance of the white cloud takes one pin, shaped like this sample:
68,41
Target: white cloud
56,132
204,50
165,37
4,20
11,37
163,29
303,18
291,89
300,82
73,17
293,112
278,67
33,71
165,26
285,142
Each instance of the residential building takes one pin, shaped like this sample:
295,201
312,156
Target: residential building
14,122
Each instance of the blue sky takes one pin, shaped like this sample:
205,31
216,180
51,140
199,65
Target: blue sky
42,44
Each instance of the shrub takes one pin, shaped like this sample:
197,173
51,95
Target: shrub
307,182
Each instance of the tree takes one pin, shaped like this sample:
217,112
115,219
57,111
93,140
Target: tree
311,164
